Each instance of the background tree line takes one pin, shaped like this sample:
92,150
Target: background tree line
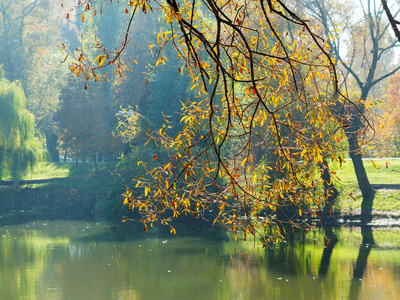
78,122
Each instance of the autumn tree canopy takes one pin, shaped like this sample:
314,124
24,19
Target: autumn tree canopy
266,118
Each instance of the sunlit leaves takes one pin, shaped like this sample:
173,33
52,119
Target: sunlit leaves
258,128
100,59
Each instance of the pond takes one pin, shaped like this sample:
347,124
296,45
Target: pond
99,260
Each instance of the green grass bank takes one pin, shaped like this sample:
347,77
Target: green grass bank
76,191
380,171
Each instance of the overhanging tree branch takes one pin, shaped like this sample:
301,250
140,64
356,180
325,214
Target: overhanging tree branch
260,125
392,21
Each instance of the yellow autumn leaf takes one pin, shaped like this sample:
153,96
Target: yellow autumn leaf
147,190
98,57
101,61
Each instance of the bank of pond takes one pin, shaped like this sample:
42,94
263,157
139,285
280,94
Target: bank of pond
80,191
67,259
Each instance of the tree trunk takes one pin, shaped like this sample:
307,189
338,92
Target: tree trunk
96,169
51,144
368,193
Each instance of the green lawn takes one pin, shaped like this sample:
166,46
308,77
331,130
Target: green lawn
79,193
83,175
381,173
45,170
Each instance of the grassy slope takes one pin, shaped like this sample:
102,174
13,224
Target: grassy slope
385,200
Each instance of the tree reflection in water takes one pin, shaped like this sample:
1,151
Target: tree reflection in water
88,260
361,264
330,242
367,244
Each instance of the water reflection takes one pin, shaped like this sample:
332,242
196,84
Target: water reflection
361,264
330,242
88,260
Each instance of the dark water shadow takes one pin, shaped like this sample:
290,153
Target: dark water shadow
185,227
289,257
20,217
366,246
330,242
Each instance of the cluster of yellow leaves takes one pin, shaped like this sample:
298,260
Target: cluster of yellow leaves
256,97
263,124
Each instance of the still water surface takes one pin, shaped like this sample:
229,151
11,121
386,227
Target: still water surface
89,260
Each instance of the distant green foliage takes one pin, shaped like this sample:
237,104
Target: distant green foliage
133,131
18,146
129,166
168,86
133,128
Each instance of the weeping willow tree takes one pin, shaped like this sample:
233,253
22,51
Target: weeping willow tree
17,141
